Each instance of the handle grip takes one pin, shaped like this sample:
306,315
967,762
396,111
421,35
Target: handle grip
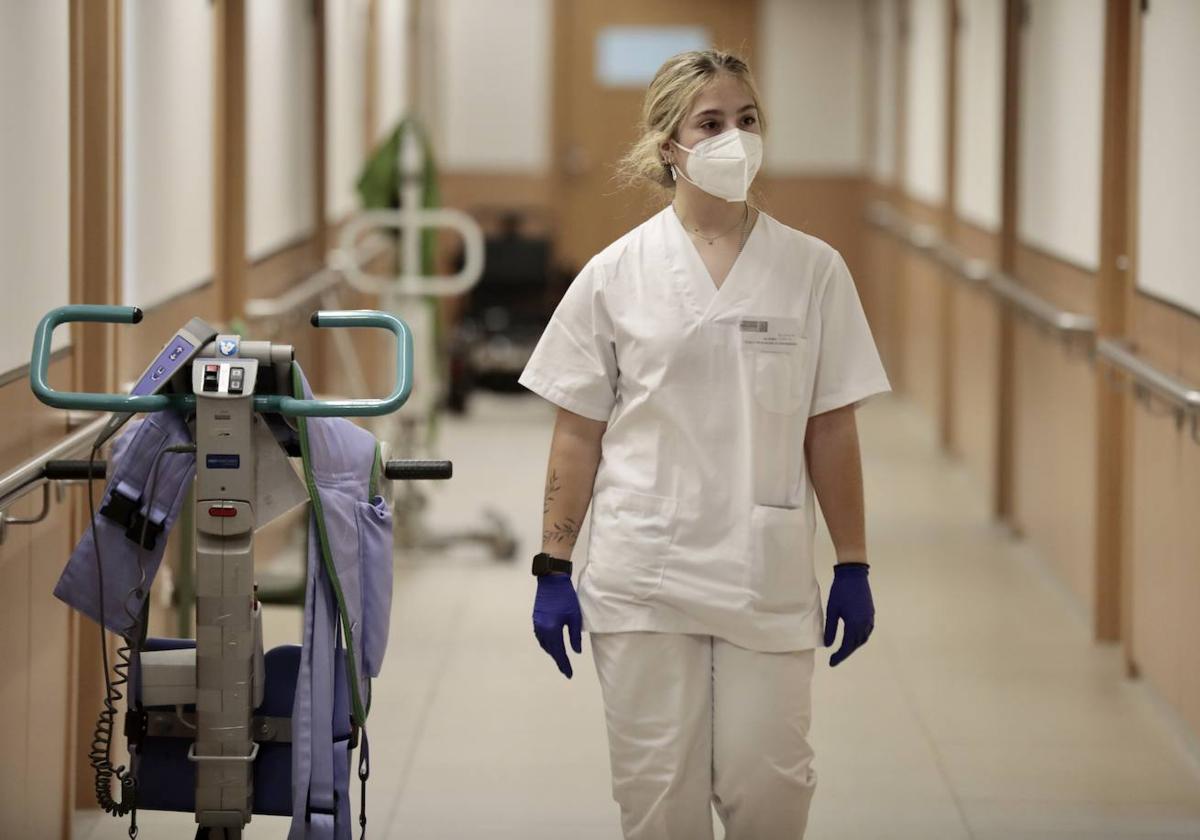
290,406
39,362
75,470
416,470
294,407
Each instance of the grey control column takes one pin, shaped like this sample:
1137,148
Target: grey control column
225,639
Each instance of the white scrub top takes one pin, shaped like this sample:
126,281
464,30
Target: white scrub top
702,517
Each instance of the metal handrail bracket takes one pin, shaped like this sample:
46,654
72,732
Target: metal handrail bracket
27,476
1183,398
927,239
30,475
1014,293
923,237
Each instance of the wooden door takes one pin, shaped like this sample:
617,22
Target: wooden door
596,124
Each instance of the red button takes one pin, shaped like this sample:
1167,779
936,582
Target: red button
222,511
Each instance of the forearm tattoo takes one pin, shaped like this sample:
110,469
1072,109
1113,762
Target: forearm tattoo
566,531
552,487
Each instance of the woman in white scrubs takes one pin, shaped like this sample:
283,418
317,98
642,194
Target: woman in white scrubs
706,367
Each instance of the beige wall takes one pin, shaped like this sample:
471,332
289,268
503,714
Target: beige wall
34,171
1060,198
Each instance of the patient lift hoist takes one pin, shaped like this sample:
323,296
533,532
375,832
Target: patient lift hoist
218,709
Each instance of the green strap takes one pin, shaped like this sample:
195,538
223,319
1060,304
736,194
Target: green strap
359,709
376,472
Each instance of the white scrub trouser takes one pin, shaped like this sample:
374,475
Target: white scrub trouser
694,721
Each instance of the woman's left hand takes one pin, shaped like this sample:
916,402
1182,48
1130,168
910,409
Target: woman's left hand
556,608
849,600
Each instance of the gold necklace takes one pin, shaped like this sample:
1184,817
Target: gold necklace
740,223
745,232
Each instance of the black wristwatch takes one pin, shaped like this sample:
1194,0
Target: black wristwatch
544,564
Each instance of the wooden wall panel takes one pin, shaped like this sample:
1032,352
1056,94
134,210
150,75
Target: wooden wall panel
826,206
276,272
14,685
1187,554
52,689
974,360
472,190
1158,331
18,425
36,690
1159,603
922,345
829,207
274,275
882,285
922,301
1162,571
1054,445
1064,284
51,682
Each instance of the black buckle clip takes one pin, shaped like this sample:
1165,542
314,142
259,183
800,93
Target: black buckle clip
120,508
127,512
142,531
136,725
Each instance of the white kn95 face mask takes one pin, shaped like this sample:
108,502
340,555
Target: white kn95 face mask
723,165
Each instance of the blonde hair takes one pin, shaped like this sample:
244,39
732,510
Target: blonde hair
668,100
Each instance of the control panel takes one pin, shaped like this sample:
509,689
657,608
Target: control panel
177,352
224,377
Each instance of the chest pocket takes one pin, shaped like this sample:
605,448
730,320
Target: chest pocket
779,378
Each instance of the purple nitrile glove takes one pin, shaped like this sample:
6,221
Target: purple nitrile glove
556,606
849,600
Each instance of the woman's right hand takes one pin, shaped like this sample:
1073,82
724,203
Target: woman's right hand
555,607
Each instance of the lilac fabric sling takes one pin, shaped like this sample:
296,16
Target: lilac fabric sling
348,601
130,528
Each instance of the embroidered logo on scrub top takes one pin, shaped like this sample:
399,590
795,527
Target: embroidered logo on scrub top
779,335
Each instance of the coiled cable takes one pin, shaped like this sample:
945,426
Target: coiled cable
100,754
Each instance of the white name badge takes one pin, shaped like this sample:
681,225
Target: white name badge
779,335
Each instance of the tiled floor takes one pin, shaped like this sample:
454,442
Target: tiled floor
980,709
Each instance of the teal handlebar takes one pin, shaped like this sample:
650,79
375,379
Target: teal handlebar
39,362
127,403
357,408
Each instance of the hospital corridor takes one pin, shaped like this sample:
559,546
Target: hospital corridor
599,419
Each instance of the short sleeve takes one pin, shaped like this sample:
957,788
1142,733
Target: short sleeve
574,364
848,366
